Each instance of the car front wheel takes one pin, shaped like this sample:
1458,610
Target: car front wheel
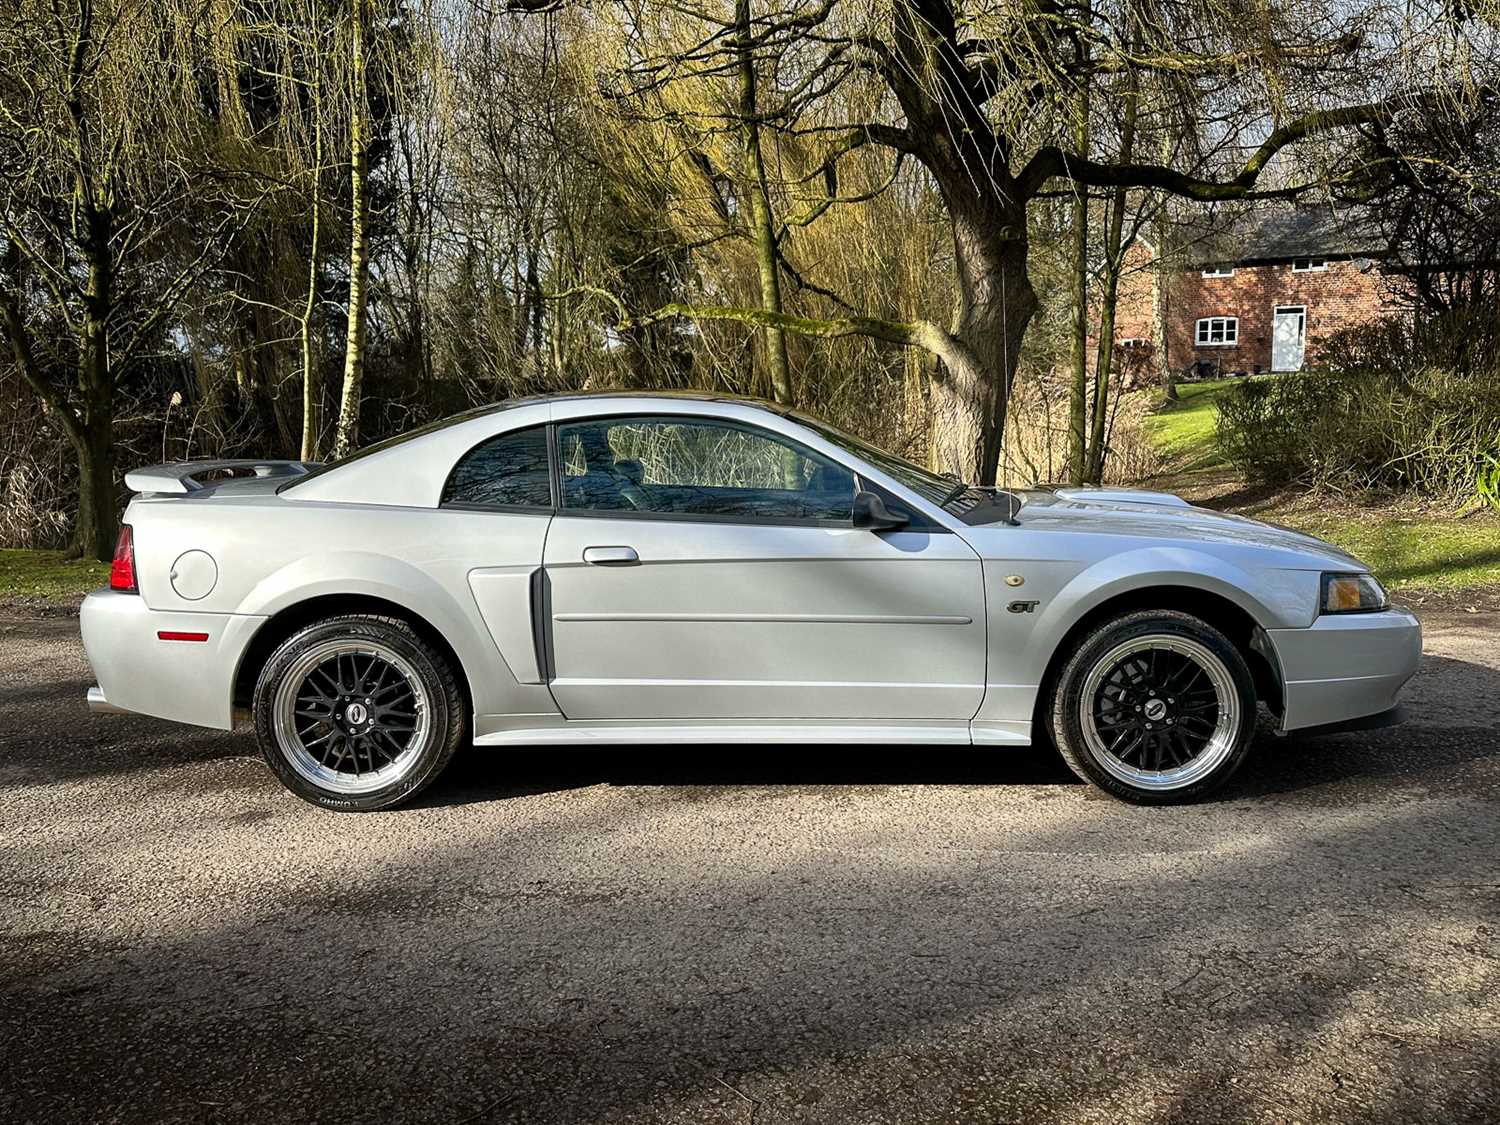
1154,707
357,712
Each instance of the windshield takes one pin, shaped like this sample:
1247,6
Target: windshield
936,487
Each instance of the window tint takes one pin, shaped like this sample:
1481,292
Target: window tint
690,467
508,469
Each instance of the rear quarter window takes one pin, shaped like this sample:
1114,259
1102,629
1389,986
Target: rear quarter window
506,471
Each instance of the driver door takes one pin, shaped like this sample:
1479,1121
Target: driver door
700,568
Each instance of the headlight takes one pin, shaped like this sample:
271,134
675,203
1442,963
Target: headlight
1352,593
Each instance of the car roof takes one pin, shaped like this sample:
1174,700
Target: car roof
602,395
313,483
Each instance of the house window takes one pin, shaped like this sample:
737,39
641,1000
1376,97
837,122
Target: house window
1309,265
1132,342
1218,271
1218,331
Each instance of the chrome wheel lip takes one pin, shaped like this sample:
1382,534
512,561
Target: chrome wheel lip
1221,741
309,766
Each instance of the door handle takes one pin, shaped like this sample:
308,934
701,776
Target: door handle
611,556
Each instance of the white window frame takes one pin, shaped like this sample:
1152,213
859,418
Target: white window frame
1203,332
1218,271
1309,265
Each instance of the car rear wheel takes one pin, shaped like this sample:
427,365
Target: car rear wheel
357,712
1155,707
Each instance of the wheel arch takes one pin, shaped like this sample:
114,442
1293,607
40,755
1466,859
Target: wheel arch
1231,618
287,621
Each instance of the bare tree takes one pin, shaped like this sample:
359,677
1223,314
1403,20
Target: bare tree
347,435
117,199
979,96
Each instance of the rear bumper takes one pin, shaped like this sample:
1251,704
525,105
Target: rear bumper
101,706
1378,721
139,672
1345,667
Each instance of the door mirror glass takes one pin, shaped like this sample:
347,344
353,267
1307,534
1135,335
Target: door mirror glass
870,511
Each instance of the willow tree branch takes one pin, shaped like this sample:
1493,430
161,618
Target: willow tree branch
1052,161
817,207
909,334
1221,65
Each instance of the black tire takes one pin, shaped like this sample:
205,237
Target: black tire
1123,684
417,753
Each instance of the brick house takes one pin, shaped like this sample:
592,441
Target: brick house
1264,295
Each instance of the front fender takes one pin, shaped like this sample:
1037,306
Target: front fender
1275,599
1023,644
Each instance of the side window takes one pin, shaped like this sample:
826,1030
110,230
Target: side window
508,470
688,466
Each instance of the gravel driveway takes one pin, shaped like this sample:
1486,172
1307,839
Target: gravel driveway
737,935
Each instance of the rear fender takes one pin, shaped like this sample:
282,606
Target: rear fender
344,573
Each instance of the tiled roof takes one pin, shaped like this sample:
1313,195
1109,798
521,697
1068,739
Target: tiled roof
1270,236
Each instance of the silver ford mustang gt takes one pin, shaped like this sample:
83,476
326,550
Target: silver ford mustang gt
673,568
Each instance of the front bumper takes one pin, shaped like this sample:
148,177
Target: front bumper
1345,667
138,671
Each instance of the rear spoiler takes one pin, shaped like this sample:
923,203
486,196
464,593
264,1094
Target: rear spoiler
182,476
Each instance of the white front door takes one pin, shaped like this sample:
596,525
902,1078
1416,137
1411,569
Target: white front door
1288,338
700,569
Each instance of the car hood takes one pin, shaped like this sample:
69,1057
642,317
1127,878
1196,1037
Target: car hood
1158,516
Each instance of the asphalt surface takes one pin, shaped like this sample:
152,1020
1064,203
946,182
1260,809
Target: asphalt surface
747,934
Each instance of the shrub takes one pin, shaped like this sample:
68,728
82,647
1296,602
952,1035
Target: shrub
1364,423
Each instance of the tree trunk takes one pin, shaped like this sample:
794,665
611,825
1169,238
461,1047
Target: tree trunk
1161,283
94,440
761,232
1093,472
1079,385
1114,234
347,436
996,303
98,522
312,371
1161,340
98,518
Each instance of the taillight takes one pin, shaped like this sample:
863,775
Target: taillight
122,569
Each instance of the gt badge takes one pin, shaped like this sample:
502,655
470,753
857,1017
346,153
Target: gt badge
1021,607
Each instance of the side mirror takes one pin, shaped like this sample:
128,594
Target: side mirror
870,512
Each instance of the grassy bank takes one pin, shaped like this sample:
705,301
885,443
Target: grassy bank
1183,428
47,575
1409,546
1443,554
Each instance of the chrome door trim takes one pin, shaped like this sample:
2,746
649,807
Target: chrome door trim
794,618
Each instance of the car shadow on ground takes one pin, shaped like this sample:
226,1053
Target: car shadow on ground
1438,740
483,773
48,736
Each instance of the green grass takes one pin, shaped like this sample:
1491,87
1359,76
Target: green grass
1425,551
1184,428
1428,552
46,574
